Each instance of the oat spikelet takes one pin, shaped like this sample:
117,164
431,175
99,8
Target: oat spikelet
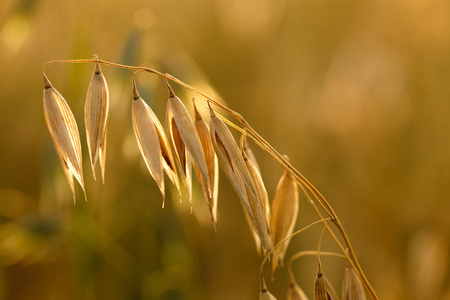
166,152
64,132
69,176
260,223
212,164
253,167
352,288
264,294
284,214
232,163
185,142
323,290
147,139
96,118
294,291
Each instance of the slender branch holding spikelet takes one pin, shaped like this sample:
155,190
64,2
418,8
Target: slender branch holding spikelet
188,144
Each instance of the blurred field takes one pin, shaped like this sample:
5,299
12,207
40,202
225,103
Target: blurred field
357,94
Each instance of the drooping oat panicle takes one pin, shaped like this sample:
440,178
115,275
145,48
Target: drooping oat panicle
232,162
64,132
284,214
264,294
212,164
352,288
260,223
323,290
185,142
147,138
96,118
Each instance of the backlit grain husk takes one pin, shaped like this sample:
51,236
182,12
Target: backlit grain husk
260,223
212,164
64,132
264,294
352,288
232,162
294,291
185,142
323,290
147,139
153,143
248,154
96,119
284,214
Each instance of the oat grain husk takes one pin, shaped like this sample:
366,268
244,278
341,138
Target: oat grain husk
96,119
185,142
352,288
147,139
284,214
64,132
232,162
212,166
261,221
323,290
294,291
254,170
264,294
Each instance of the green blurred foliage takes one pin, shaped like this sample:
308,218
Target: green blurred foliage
355,93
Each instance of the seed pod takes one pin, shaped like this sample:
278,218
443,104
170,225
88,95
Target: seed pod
185,142
232,162
352,288
64,132
153,143
284,214
323,290
260,223
212,164
96,118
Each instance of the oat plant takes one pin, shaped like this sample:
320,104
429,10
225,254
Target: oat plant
191,143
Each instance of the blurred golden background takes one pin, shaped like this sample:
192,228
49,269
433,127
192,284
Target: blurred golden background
356,93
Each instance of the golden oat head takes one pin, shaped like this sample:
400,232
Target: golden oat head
64,132
96,119
193,144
